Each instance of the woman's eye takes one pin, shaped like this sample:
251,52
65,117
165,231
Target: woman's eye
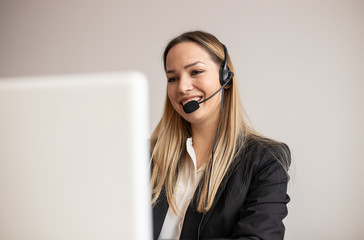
196,72
172,79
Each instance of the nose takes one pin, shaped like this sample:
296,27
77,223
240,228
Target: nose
185,84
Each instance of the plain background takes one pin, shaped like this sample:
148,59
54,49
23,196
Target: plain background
299,65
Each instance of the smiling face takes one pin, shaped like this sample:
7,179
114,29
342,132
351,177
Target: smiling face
193,75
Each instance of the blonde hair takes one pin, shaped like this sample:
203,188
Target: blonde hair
169,137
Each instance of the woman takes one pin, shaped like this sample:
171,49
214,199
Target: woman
213,177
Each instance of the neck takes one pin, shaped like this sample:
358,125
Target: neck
203,140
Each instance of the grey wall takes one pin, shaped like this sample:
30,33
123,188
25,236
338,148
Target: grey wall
299,65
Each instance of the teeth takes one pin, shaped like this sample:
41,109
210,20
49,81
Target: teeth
189,100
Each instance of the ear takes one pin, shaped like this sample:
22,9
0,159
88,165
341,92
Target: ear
229,80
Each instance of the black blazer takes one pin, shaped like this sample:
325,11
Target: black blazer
250,203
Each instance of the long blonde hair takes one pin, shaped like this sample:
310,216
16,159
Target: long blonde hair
169,137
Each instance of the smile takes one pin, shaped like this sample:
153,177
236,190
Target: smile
190,99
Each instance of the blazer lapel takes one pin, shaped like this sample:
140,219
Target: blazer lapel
219,192
159,214
193,218
191,223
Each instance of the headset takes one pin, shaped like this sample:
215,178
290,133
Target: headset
225,74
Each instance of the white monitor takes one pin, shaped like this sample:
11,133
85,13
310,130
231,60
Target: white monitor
74,157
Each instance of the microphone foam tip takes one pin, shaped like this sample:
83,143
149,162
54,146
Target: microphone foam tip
191,106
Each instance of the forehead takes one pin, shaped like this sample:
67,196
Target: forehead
186,53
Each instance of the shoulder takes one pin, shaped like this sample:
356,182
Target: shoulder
262,170
265,147
260,154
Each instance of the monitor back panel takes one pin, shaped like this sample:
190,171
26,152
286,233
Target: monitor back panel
74,158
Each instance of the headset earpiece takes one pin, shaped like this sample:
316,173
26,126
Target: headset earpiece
226,75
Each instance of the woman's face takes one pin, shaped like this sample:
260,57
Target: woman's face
193,75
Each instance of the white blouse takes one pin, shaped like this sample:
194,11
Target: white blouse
185,189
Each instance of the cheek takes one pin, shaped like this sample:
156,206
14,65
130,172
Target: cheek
211,83
172,92
171,96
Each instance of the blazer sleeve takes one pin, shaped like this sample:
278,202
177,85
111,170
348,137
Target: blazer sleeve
264,208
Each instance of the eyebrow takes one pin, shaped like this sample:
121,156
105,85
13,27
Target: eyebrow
185,67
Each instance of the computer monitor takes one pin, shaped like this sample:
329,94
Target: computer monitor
74,157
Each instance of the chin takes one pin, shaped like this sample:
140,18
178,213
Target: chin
194,117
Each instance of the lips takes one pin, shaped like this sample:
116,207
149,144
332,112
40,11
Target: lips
186,100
